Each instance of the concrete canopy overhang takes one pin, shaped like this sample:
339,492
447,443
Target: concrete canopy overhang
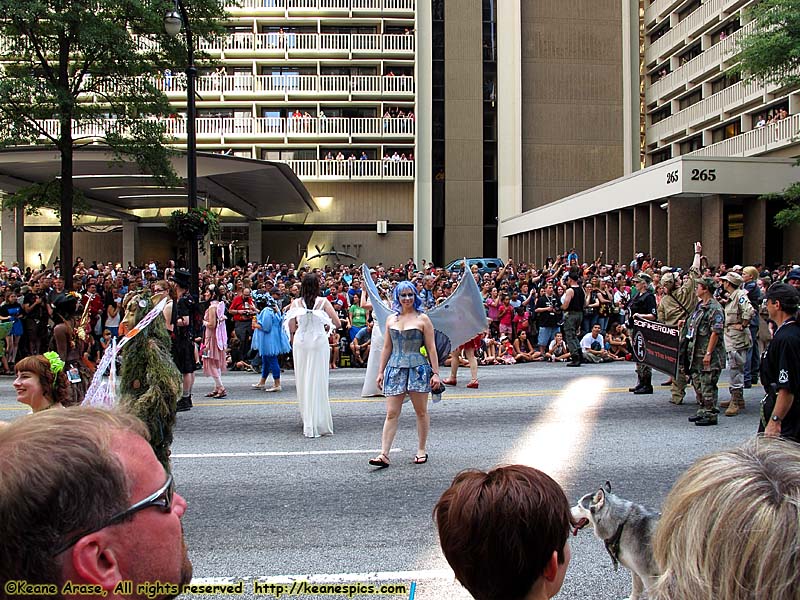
681,177
113,188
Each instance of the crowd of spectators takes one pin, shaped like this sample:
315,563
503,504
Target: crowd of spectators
772,116
522,301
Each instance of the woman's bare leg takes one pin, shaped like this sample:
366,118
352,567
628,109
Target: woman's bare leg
420,402
394,405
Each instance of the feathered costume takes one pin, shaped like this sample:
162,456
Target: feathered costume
271,339
150,383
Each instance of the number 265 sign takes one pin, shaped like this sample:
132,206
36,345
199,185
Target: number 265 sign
697,175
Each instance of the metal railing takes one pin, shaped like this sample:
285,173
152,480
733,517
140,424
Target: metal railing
705,110
689,26
352,169
757,141
658,8
286,43
323,6
258,127
276,84
685,74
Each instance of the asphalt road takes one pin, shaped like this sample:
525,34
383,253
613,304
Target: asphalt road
268,506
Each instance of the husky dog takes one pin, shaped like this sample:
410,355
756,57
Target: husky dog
626,529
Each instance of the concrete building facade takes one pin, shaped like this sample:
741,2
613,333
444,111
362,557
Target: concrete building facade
697,118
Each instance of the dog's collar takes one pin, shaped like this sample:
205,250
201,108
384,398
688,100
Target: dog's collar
613,543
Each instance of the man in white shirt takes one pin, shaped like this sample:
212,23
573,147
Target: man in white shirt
593,346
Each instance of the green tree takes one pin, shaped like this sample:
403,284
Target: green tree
772,54
71,65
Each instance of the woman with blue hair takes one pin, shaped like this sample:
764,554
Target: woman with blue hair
405,370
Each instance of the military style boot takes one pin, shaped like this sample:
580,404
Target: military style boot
708,418
726,403
645,387
736,403
184,404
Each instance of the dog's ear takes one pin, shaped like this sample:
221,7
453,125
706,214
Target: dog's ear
598,501
608,486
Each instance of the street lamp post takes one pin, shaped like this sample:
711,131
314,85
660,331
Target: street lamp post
173,21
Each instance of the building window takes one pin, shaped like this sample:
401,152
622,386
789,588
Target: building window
660,156
692,98
692,52
489,10
283,154
689,9
727,30
660,114
724,82
661,30
692,144
438,124
726,131
659,72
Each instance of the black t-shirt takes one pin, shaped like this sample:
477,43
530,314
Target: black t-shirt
643,304
13,309
185,307
780,366
578,300
548,319
37,313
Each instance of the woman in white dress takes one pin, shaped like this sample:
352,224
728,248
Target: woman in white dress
309,320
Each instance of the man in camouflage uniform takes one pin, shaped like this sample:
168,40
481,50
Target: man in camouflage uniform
703,350
738,313
676,305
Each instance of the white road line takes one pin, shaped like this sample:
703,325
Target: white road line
268,454
554,441
427,574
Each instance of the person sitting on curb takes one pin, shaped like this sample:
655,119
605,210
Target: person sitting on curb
593,346
361,345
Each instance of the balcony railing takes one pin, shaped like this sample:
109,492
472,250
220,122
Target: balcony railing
658,9
686,74
274,43
712,107
758,141
689,27
256,128
277,85
321,6
352,169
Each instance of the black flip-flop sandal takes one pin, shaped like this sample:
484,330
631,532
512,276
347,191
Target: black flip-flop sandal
379,461
420,460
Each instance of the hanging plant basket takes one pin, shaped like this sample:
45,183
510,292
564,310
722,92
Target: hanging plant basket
194,225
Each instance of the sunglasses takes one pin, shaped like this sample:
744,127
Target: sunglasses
161,498
405,295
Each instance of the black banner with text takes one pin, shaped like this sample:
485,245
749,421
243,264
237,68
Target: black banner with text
656,345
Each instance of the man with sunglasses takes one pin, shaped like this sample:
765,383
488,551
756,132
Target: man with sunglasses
85,506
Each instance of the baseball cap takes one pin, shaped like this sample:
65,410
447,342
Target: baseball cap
733,278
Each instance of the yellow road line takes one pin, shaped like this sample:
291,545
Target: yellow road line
537,394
